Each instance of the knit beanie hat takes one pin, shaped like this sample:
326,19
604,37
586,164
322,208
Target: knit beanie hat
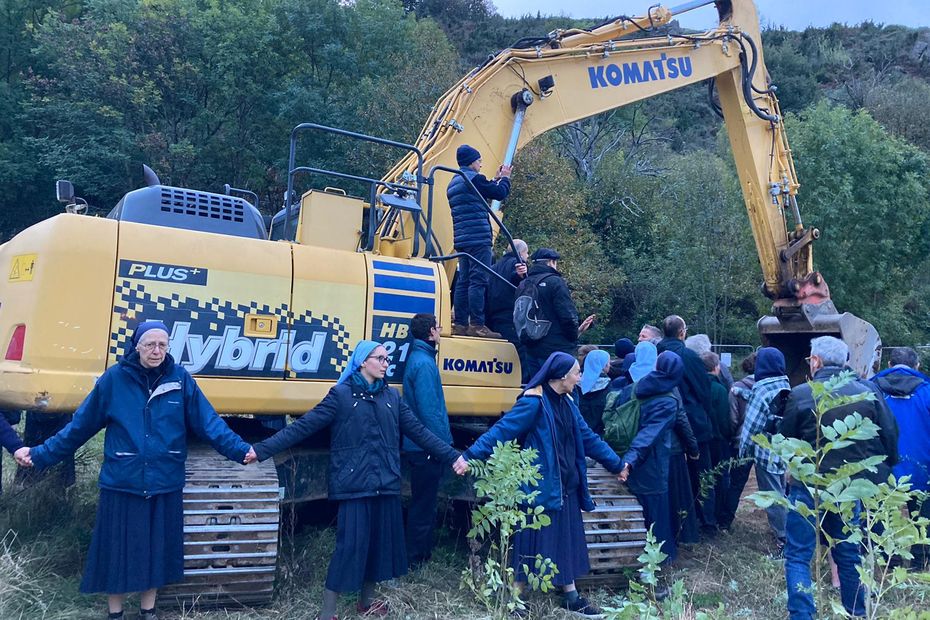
466,155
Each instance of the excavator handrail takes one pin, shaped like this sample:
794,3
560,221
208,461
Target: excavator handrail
484,203
478,263
293,169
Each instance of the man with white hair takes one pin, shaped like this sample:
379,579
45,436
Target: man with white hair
827,360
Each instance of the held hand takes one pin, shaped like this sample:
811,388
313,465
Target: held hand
521,270
250,456
504,172
23,459
624,473
587,323
460,466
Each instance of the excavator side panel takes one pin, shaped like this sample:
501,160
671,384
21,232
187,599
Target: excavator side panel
55,292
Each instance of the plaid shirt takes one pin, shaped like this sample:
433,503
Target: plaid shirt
757,412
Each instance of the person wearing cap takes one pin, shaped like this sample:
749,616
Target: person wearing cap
555,305
471,229
146,403
365,417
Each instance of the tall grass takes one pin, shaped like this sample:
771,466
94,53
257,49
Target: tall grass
44,535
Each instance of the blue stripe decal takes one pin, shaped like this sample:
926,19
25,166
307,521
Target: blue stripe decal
405,284
422,271
388,302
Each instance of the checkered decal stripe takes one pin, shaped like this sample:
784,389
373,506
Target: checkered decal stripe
132,299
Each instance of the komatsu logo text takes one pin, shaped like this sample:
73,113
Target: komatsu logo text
491,366
664,68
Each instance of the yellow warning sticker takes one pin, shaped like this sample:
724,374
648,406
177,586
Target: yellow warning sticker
23,267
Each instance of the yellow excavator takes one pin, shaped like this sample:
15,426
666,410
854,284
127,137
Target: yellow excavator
265,315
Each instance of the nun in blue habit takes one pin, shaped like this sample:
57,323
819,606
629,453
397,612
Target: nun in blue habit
594,387
366,418
138,539
646,463
547,418
682,515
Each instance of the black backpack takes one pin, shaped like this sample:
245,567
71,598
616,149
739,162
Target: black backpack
776,411
528,320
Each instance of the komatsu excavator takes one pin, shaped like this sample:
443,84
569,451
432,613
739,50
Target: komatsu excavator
265,317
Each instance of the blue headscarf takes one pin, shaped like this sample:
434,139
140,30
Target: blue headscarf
146,326
556,367
594,364
362,350
646,354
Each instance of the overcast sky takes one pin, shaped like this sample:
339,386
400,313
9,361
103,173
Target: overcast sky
793,14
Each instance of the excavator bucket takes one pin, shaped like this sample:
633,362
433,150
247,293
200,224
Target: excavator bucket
791,333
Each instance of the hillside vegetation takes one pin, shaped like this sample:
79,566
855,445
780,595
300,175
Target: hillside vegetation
642,202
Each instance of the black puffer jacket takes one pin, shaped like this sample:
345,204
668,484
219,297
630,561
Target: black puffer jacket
470,224
364,458
799,422
556,305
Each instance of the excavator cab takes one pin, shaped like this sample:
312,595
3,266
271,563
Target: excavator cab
791,333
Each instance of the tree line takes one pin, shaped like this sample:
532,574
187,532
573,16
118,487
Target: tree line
643,202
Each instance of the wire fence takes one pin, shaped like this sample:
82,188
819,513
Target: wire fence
732,355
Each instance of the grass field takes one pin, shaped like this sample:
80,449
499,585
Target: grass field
45,535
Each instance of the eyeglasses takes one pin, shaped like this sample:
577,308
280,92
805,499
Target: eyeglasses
382,359
150,346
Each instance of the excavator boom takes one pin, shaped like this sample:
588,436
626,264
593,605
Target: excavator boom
568,75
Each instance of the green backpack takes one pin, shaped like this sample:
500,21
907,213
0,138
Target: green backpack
621,420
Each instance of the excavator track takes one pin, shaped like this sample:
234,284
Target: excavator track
615,530
231,518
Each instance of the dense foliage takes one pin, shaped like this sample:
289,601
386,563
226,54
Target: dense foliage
642,202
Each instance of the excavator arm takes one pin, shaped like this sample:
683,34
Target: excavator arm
568,75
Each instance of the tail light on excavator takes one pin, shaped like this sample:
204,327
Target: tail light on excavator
14,351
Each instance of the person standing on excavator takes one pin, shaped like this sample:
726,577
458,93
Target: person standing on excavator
472,235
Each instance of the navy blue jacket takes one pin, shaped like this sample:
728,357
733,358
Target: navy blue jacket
907,393
694,388
8,437
532,423
423,393
470,224
145,445
651,449
364,445
501,297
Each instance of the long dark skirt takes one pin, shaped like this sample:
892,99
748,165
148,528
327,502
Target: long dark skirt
562,541
681,501
369,543
657,515
137,544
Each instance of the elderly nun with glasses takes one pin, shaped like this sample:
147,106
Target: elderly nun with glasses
146,403
366,418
